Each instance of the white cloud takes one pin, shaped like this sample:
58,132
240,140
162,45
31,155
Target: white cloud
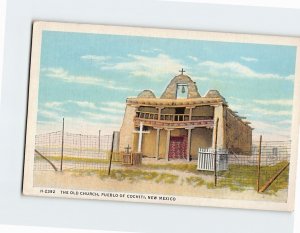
237,107
113,107
59,105
155,50
280,102
258,111
195,78
254,109
106,116
193,58
63,75
249,59
103,117
114,104
54,105
108,111
95,58
270,132
78,125
49,114
235,69
284,122
271,112
84,104
158,50
112,110
155,67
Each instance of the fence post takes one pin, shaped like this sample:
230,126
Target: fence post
215,158
258,164
99,143
111,152
62,145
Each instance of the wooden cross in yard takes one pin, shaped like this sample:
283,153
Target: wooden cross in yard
140,132
127,149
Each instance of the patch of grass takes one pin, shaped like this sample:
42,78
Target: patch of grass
135,175
280,183
88,172
210,185
195,181
231,184
182,167
187,167
166,178
116,157
238,177
74,159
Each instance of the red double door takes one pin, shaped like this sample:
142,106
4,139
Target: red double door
178,147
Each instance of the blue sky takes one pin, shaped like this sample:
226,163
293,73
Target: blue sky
87,77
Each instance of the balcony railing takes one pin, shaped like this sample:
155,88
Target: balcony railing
163,117
169,117
208,123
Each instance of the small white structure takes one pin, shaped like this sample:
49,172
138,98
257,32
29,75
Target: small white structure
206,159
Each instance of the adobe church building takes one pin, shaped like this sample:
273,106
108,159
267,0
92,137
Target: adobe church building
180,122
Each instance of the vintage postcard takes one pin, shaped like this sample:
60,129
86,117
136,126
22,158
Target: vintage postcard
162,116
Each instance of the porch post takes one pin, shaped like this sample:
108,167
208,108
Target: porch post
188,149
190,114
159,113
168,143
140,137
157,143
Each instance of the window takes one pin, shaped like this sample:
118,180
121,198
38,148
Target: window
179,110
182,91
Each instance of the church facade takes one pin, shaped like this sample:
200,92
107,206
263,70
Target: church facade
181,121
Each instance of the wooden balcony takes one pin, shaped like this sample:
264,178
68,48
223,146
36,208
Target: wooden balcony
163,117
172,120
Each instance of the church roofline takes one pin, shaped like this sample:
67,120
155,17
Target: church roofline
175,102
171,90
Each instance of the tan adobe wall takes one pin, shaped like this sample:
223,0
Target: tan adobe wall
127,128
238,134
219,113
148,143
162,144
148,109
203,111
146,94
168,111
201,138
135,140
149,140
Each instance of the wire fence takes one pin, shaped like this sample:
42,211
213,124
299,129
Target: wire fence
65,151
265,166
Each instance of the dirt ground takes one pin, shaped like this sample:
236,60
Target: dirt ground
94,182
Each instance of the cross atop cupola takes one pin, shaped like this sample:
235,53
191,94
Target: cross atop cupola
182,71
